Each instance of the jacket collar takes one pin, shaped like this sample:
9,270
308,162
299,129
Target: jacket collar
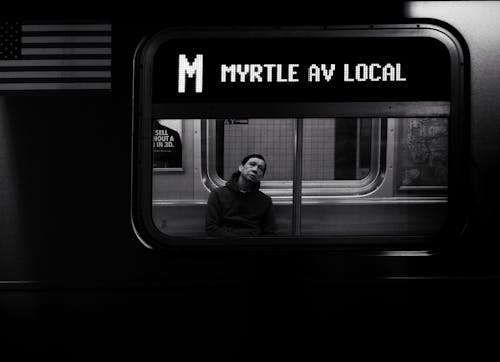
233,185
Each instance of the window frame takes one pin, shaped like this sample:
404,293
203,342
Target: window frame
283,188
144,112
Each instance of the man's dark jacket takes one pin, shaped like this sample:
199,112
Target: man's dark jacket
231,212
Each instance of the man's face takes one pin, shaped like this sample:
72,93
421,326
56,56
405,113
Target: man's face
253,170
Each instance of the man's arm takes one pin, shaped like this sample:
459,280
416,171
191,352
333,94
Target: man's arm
269,221
213,218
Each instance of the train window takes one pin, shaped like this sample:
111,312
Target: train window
334,149
241,137
362,141
340,155
378,159
413,166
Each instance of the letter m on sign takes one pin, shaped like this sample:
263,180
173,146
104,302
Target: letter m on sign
187,69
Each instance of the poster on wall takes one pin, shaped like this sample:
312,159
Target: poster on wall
167,144
423,154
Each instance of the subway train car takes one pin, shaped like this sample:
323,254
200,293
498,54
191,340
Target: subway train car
379,129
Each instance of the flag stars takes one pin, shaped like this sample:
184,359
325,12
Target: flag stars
10,40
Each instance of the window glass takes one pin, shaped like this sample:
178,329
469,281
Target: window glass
177,191
414,165
336,148
352,169
333,148
272,138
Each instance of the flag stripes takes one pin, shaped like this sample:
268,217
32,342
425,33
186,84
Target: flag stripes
55,56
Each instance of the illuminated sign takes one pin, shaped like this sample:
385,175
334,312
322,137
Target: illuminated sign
306,69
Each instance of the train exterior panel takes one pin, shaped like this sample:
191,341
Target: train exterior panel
99,247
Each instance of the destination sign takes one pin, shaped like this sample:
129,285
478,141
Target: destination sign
301,70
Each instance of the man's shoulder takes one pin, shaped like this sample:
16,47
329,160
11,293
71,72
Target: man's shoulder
264,196
225,189
221,190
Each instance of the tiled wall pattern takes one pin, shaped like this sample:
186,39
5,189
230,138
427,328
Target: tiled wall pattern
319,151
274,138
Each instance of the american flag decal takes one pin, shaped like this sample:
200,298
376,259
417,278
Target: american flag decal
42,56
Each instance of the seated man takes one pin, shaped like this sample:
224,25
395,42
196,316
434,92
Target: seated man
239,208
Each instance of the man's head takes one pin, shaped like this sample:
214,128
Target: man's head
252,168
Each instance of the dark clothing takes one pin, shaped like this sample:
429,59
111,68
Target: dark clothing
231,212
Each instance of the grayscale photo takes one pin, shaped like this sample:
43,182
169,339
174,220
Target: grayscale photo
249,181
